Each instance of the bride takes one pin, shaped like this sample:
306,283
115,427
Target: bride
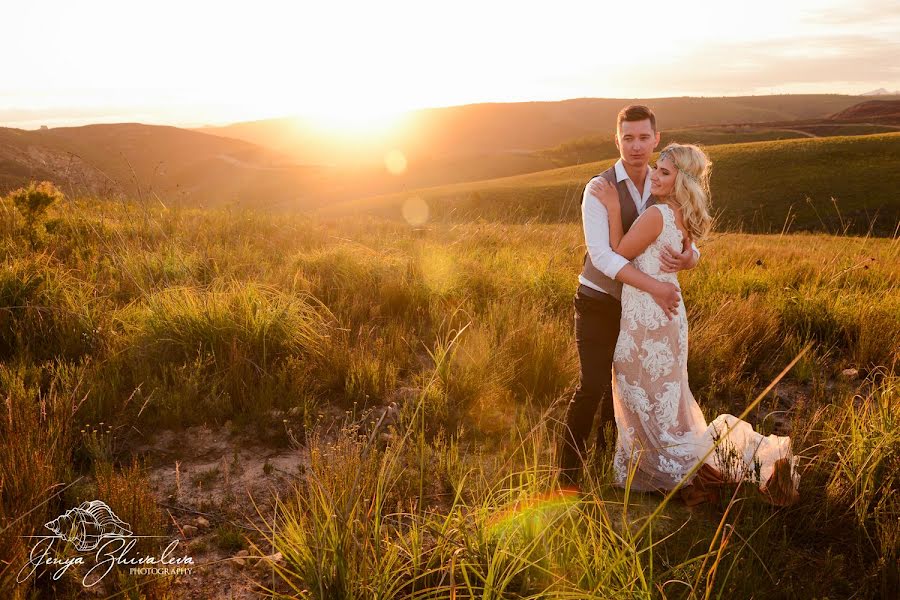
662,434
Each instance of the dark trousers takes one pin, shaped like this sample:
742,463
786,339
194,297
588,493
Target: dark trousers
596,332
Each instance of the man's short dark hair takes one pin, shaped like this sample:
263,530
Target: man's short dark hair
636,112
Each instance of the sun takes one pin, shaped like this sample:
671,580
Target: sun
354,120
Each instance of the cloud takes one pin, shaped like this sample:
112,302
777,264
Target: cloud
736,68
865,14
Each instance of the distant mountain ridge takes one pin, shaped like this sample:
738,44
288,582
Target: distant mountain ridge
881,92
442,133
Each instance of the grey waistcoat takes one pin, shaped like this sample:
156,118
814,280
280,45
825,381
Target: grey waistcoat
629,214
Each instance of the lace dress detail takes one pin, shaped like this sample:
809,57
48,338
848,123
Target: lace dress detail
662,433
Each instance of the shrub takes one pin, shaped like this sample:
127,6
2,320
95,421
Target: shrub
33,202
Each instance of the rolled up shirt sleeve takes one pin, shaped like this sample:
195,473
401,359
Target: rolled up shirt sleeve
595,220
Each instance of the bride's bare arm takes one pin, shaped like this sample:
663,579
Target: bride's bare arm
645,229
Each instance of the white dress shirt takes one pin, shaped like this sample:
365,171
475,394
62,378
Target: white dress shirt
595,220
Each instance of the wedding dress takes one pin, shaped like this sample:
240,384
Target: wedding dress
662,433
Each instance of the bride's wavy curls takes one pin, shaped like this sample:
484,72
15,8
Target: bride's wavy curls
691,189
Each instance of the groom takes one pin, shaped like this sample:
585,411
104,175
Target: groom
597,301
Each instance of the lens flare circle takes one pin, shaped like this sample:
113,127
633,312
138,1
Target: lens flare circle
395,162
415,210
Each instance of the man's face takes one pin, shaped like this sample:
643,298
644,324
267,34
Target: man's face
636,141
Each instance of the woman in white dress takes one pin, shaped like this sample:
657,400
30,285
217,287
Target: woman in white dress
662,434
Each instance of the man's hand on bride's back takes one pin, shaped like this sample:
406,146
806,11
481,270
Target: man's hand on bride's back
668,297
671,260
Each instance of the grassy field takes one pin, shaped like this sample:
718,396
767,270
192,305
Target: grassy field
829,185
121,318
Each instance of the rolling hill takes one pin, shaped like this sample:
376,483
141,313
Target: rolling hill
879,111
134,160
757,187
864,118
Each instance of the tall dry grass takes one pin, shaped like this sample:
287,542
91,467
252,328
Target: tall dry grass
145,316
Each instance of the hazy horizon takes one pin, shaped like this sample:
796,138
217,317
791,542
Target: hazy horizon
202,63
107,118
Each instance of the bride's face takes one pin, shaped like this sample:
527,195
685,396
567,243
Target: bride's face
662,181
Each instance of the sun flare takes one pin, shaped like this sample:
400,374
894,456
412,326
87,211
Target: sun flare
355,120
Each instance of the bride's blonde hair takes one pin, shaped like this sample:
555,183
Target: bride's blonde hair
691,189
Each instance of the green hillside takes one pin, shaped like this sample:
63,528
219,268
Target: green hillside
595,148
601,147
757,187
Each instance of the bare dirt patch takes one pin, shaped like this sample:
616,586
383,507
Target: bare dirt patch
219,488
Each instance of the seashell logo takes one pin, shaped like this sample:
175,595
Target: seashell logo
93,528
87,524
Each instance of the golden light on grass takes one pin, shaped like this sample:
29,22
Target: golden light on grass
415,210
514,362
437,269
537,511
494,410
395,162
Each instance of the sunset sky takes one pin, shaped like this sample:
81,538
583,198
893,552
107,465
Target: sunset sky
195,62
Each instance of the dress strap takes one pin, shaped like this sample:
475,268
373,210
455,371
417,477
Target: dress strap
668,214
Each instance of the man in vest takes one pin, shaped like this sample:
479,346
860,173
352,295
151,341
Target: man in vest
597,306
